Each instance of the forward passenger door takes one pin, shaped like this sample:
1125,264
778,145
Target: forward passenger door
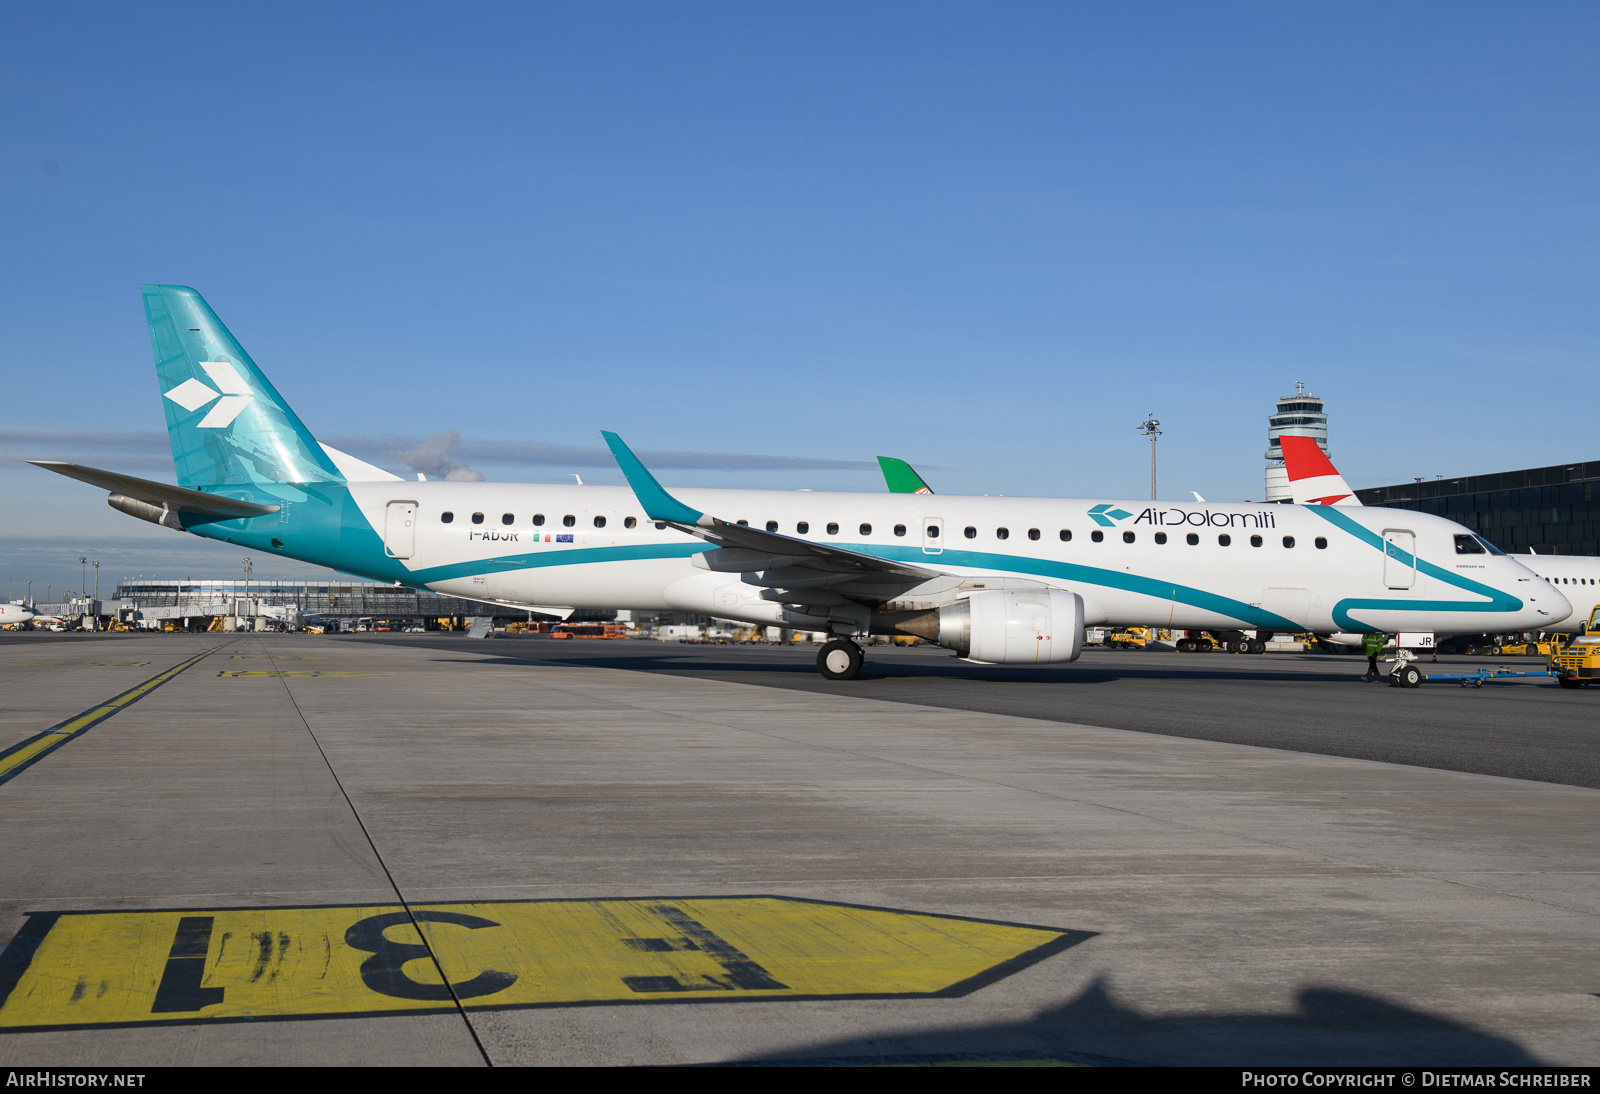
1399,558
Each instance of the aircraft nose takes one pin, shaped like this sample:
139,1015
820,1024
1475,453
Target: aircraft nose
1550,600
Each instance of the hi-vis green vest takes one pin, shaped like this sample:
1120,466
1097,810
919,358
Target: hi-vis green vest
1372,643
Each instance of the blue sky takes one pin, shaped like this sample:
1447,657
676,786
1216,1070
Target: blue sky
785,238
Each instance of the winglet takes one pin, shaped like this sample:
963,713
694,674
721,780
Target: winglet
658,504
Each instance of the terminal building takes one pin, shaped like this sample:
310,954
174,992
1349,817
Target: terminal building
194,605
1546,510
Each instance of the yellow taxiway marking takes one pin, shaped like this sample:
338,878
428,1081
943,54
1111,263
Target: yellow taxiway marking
260,674
17,758
42,664
132,968
273,657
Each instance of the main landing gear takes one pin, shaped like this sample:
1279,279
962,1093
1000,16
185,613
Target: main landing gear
839,659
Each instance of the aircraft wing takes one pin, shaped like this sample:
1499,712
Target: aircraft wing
175,498
787,563
1313,480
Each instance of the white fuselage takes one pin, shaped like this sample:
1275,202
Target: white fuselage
1262,566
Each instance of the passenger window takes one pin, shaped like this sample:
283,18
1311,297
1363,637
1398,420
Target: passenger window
1033,533
446,518
599,522
661,525
1224,540
970,532
630,522
1322,543
1192,539
1469,545
833,528
1097,535
742,523
1288,541
1255,541
568,521
507,519
477,518
933,531
1161,537
802,529
899,529
866,529
1127,537
1002,533
1066,535
538,519
772,526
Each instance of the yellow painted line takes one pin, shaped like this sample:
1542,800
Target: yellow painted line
19,757
263,674
273,657
235,964
42,664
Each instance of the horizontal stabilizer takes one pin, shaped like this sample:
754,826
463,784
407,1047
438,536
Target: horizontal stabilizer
178,499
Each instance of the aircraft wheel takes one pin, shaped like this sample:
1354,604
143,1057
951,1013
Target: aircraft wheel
839,660
1494,651
1187,645
1408,677
1257,646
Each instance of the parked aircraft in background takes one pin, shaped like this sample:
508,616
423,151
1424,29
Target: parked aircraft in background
1313,480
15,612
901,478
997,579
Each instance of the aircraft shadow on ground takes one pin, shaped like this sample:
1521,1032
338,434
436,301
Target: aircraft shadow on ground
1330,1027
691,664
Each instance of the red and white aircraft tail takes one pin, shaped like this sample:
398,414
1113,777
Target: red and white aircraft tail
1313,480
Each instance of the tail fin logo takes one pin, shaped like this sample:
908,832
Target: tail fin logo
234,396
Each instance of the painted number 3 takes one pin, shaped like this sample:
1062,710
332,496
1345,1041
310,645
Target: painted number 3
384,971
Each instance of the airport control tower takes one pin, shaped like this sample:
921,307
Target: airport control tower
1298,415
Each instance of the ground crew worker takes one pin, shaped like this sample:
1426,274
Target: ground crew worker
1372,645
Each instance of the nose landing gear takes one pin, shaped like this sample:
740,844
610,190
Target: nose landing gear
839,659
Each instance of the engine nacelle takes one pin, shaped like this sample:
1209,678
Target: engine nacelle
155,514
1009,626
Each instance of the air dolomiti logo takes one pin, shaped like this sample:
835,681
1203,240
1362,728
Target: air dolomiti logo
1106,515
234,396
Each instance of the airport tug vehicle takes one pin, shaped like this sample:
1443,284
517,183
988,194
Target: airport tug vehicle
1579,663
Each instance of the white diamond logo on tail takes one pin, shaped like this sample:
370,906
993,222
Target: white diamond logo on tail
235,395
191,395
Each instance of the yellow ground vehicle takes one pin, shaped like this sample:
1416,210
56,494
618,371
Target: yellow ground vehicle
1131,638
1579,663
1546,647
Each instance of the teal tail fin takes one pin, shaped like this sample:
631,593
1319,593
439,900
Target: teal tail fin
227,423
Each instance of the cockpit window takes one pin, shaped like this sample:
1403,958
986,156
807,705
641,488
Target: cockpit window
1469,545
1491,548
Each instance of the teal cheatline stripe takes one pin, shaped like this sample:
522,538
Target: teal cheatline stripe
1092,575
1497,600
556,556
658,504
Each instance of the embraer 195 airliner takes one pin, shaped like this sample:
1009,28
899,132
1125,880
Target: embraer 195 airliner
997,579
